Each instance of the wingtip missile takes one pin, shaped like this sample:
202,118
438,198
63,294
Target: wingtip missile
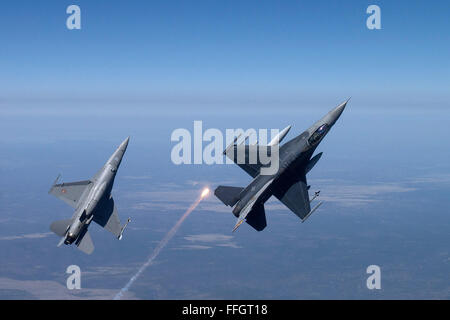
245,140
123,229
316,194
312,211
231,144
280,136
54,182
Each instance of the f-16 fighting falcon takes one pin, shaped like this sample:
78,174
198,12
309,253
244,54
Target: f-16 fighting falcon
288,183
91,200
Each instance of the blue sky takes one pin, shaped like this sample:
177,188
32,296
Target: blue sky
212,53
145,68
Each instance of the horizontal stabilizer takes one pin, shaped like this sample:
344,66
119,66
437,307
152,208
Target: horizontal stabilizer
312,211
60,227
228,195
71,192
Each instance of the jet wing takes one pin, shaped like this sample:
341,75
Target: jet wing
108,218
70,192
247,157
296,198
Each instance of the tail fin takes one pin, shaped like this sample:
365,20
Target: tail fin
257,217
228,195
60,227
84,242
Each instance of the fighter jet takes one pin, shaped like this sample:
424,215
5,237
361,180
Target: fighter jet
288,184
92,201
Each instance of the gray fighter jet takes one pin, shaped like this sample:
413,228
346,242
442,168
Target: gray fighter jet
288,183
92,201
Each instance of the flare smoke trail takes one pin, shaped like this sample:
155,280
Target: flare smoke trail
161,245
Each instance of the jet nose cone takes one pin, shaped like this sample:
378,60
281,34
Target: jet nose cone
124,144
336,112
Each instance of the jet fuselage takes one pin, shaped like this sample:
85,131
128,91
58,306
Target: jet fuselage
294,157
97,196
